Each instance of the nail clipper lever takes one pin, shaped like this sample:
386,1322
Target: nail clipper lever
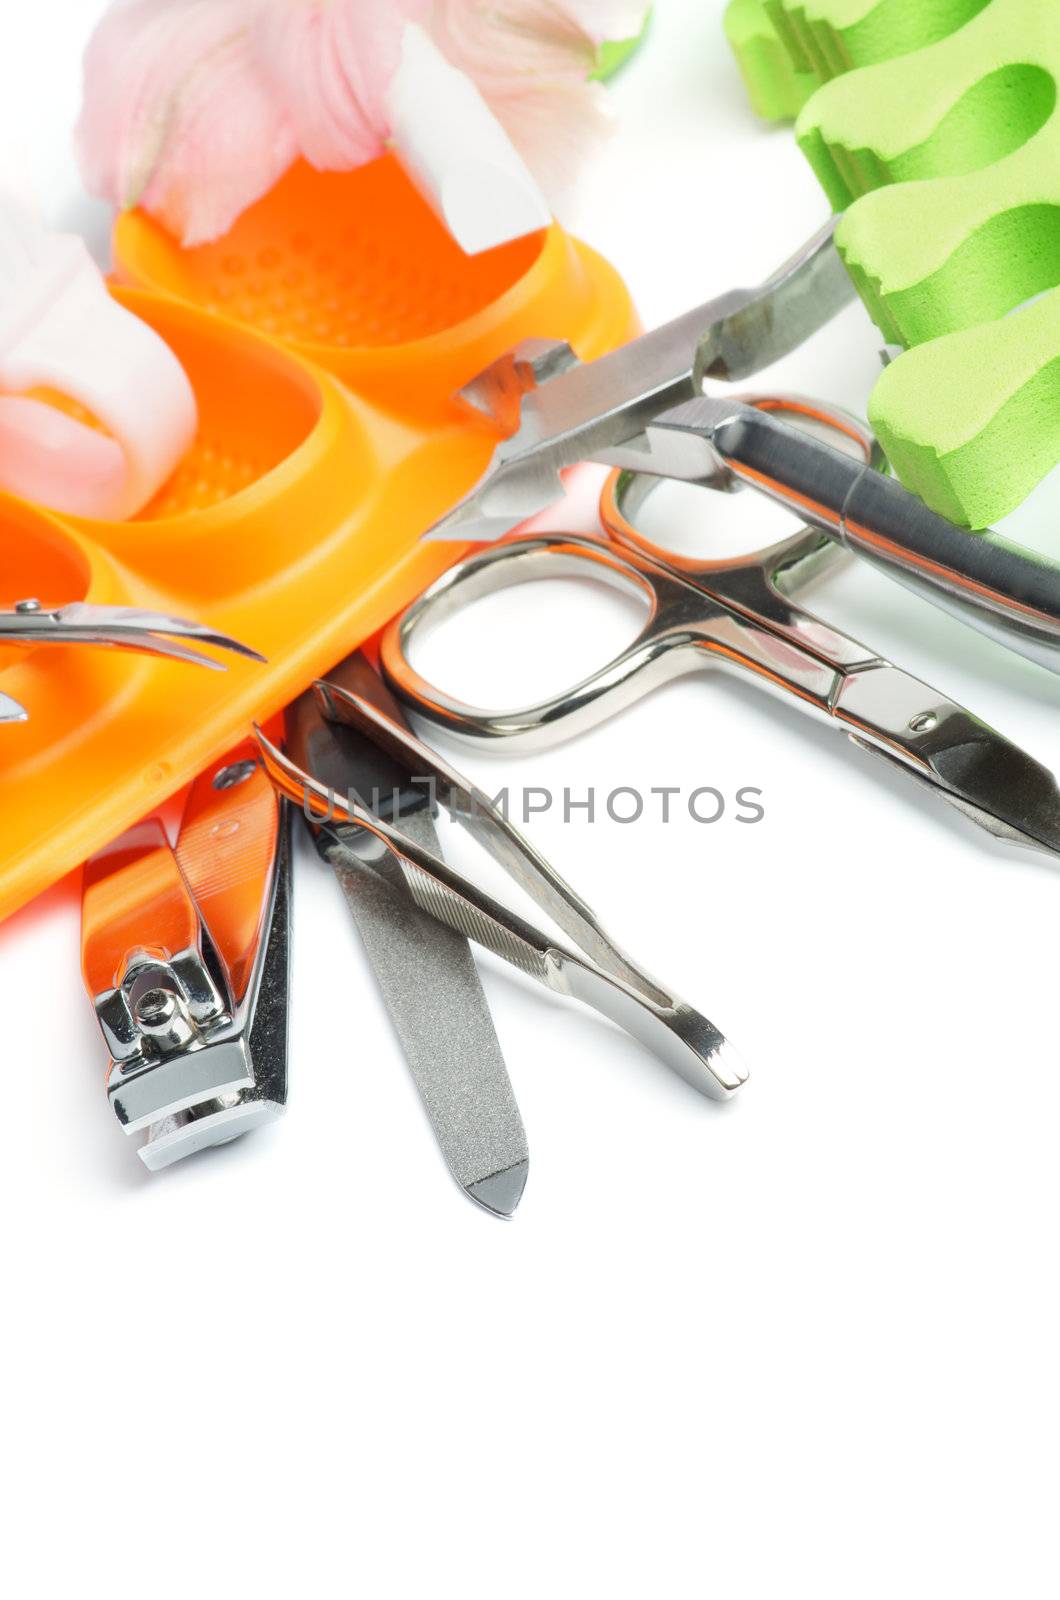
185,956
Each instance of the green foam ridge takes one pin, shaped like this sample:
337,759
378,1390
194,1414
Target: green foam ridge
831,37
776,89
971,421
936,129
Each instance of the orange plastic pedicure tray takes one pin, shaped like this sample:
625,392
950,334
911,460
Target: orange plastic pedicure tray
328,441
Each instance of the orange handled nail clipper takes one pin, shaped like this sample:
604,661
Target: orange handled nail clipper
185,952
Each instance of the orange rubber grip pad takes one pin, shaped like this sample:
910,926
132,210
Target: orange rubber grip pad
328,441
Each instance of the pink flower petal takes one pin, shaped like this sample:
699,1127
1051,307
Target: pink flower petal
531,60
194,108
609,19
177,115
331,62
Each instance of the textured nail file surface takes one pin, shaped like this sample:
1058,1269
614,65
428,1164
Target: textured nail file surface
426,971
434,996
939,136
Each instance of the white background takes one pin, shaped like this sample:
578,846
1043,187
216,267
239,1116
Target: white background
804,1344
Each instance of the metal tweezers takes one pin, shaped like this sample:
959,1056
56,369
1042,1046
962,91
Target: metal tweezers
643,408
119,627
597,973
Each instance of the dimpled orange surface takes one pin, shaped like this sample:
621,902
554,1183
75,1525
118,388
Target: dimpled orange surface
294,521
339,280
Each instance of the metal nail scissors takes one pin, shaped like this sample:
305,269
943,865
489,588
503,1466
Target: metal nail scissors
119,627
738,614
643,408
596,971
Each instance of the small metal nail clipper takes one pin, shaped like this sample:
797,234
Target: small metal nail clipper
185,953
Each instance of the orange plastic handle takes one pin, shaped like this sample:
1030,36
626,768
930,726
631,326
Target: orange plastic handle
133,891
226,851
329,440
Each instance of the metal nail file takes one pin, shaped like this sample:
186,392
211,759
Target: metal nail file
426,971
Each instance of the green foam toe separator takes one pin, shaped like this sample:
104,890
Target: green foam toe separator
971,421
829,37
937,130
776,90
967,129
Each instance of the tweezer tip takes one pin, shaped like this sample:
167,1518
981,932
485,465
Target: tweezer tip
501,1192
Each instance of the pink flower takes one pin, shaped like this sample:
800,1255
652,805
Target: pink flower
194,108
329,63
177,116
531,60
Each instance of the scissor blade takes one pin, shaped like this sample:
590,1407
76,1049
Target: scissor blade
478,516
426,972
11,711
121,628
152,631
144,644
1005,790
599,410
986,776
578,415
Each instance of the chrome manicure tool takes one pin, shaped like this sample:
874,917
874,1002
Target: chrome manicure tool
643,408
119,627
10,710
424,968
185,955
596,972
738,614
